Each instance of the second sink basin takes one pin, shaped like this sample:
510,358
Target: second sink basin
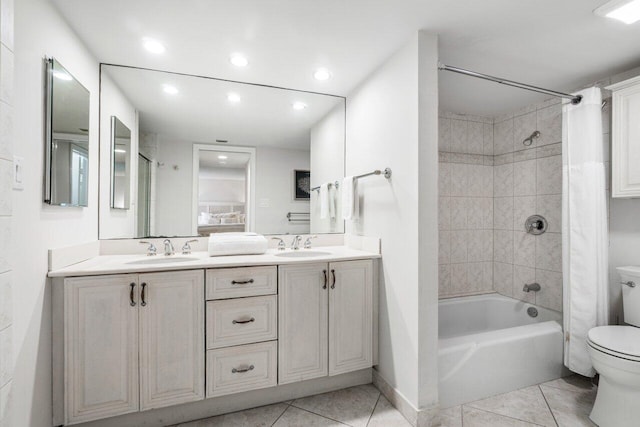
162,260
302,254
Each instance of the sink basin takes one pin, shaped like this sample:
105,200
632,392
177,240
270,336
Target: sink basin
162,260
302,254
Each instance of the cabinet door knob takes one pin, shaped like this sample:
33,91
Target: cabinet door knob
243,321
333,282
326,280
241,282
241,370
142,295
133,287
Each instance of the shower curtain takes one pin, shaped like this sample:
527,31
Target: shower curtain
584,228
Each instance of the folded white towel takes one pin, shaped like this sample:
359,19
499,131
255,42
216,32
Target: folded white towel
237,244
324,201
350,198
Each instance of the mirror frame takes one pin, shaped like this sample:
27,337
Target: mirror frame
127,205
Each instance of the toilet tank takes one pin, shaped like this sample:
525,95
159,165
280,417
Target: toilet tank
630,296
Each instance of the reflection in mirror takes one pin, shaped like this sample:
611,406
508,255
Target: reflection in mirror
217,156
67,138
120,159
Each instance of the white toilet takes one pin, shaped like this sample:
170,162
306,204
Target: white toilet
615,354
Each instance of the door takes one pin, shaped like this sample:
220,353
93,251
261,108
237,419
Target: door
171,338
350,316
302,322
101,357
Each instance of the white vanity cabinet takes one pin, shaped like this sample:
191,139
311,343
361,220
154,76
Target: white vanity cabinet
325,319
625,148
130,343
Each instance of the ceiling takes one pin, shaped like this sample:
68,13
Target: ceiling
561,45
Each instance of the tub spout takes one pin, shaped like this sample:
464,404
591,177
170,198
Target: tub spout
535,287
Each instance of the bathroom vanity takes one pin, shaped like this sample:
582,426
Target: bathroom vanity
133,333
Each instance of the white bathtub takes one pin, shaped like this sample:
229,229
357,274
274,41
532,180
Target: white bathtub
490,345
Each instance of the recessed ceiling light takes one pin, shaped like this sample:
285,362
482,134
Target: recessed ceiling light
322,74
239,60
119,150
171,90
233,97
222,157
153,45
299,105
627,11
62,75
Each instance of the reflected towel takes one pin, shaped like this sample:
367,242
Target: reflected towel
324,201
350,198
237,244
332,201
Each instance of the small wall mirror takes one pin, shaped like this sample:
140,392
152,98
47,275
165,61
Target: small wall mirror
121,164
66,139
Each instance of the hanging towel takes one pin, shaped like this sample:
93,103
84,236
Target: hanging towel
332,201
584,229
324,201
350,198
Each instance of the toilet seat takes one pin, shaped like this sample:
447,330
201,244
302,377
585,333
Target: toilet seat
617,341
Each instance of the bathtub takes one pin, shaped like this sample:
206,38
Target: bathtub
488,345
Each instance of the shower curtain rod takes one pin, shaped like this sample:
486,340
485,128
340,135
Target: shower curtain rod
575,99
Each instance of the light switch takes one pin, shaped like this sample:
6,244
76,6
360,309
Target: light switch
18,173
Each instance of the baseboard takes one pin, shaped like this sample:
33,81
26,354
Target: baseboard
429,417
234,402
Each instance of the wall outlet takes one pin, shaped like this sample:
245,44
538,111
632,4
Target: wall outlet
18,173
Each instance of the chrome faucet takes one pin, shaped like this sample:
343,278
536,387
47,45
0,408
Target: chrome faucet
307,243
151,250
186,248
533,287
168,247
281,245
295,245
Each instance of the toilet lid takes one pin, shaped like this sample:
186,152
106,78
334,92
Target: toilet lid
619,339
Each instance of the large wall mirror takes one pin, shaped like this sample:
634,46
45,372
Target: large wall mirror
66,139
209,156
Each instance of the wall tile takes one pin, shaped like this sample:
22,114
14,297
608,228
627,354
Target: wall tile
503,180
459,180
5,300
444,179
526,154
606,146
523,208
444,213
549,252
549,175
550,295
503,246
480,245
480,181
459,136
549,121
444,134
444,279
459,279
502,159
6,359
503,137
6,131
524,178
523,127
444,247
488,139
503,278
524,249
6,182
458,213
475,138
503,213
550,207
480,213
549,150
459,242
521,276
6,75
480,277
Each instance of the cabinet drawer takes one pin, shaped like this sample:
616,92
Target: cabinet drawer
241,321
242,368
241,282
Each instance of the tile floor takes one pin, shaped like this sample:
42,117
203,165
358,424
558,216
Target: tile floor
565,402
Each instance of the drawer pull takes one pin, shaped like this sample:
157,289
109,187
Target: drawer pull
240,371
241,282
244,321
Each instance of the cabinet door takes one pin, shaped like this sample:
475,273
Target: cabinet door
171,338
625,150
101,347
350,316
302,322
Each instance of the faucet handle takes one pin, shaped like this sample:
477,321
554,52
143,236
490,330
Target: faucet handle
186,248
151,250
281,245
168,247
307,243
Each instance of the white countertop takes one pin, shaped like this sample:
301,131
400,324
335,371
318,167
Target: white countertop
117,264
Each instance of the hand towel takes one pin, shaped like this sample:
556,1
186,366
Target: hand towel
324,201
332,202
350,198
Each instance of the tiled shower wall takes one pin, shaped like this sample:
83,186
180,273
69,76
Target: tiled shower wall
486,193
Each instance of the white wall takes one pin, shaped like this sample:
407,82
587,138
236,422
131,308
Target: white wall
327,165
392,122
40,32
116,223
274,190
